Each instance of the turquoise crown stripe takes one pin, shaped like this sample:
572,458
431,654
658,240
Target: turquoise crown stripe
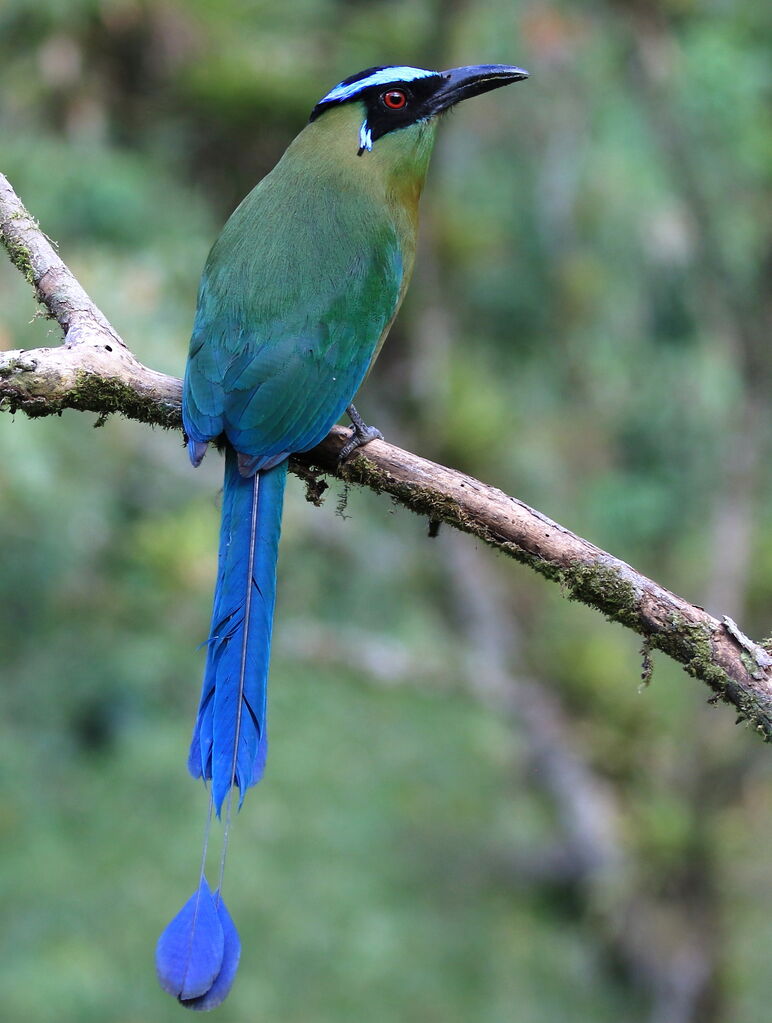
381,77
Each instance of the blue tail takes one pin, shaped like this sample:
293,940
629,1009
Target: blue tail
229,738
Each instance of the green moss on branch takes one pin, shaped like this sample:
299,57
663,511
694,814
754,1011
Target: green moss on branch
90,393
21,257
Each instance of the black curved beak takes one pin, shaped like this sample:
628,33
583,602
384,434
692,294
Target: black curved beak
465,82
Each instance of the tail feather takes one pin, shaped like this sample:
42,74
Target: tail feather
229,739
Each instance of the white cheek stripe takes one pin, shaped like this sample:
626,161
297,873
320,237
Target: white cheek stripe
365,137
382,77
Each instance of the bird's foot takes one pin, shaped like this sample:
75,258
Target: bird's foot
361,434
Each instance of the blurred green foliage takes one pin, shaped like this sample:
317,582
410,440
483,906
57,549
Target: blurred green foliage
587,329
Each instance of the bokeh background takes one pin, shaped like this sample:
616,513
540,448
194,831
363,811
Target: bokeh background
471,810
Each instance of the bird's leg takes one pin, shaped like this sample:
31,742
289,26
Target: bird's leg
361,434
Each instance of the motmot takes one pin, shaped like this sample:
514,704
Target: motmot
295,301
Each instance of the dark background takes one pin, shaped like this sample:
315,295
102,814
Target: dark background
470,812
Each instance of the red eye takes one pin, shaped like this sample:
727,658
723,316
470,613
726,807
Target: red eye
394,99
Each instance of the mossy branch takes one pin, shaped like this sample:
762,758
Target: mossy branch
93,370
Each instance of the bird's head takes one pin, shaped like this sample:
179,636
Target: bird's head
392,99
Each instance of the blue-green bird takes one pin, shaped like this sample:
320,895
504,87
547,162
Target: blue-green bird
296,299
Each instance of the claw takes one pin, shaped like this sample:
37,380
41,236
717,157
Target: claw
361,434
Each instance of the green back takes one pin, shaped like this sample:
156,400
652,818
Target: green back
300,289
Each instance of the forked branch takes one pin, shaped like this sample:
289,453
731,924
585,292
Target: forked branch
94,371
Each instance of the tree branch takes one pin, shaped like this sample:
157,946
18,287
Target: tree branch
95,371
